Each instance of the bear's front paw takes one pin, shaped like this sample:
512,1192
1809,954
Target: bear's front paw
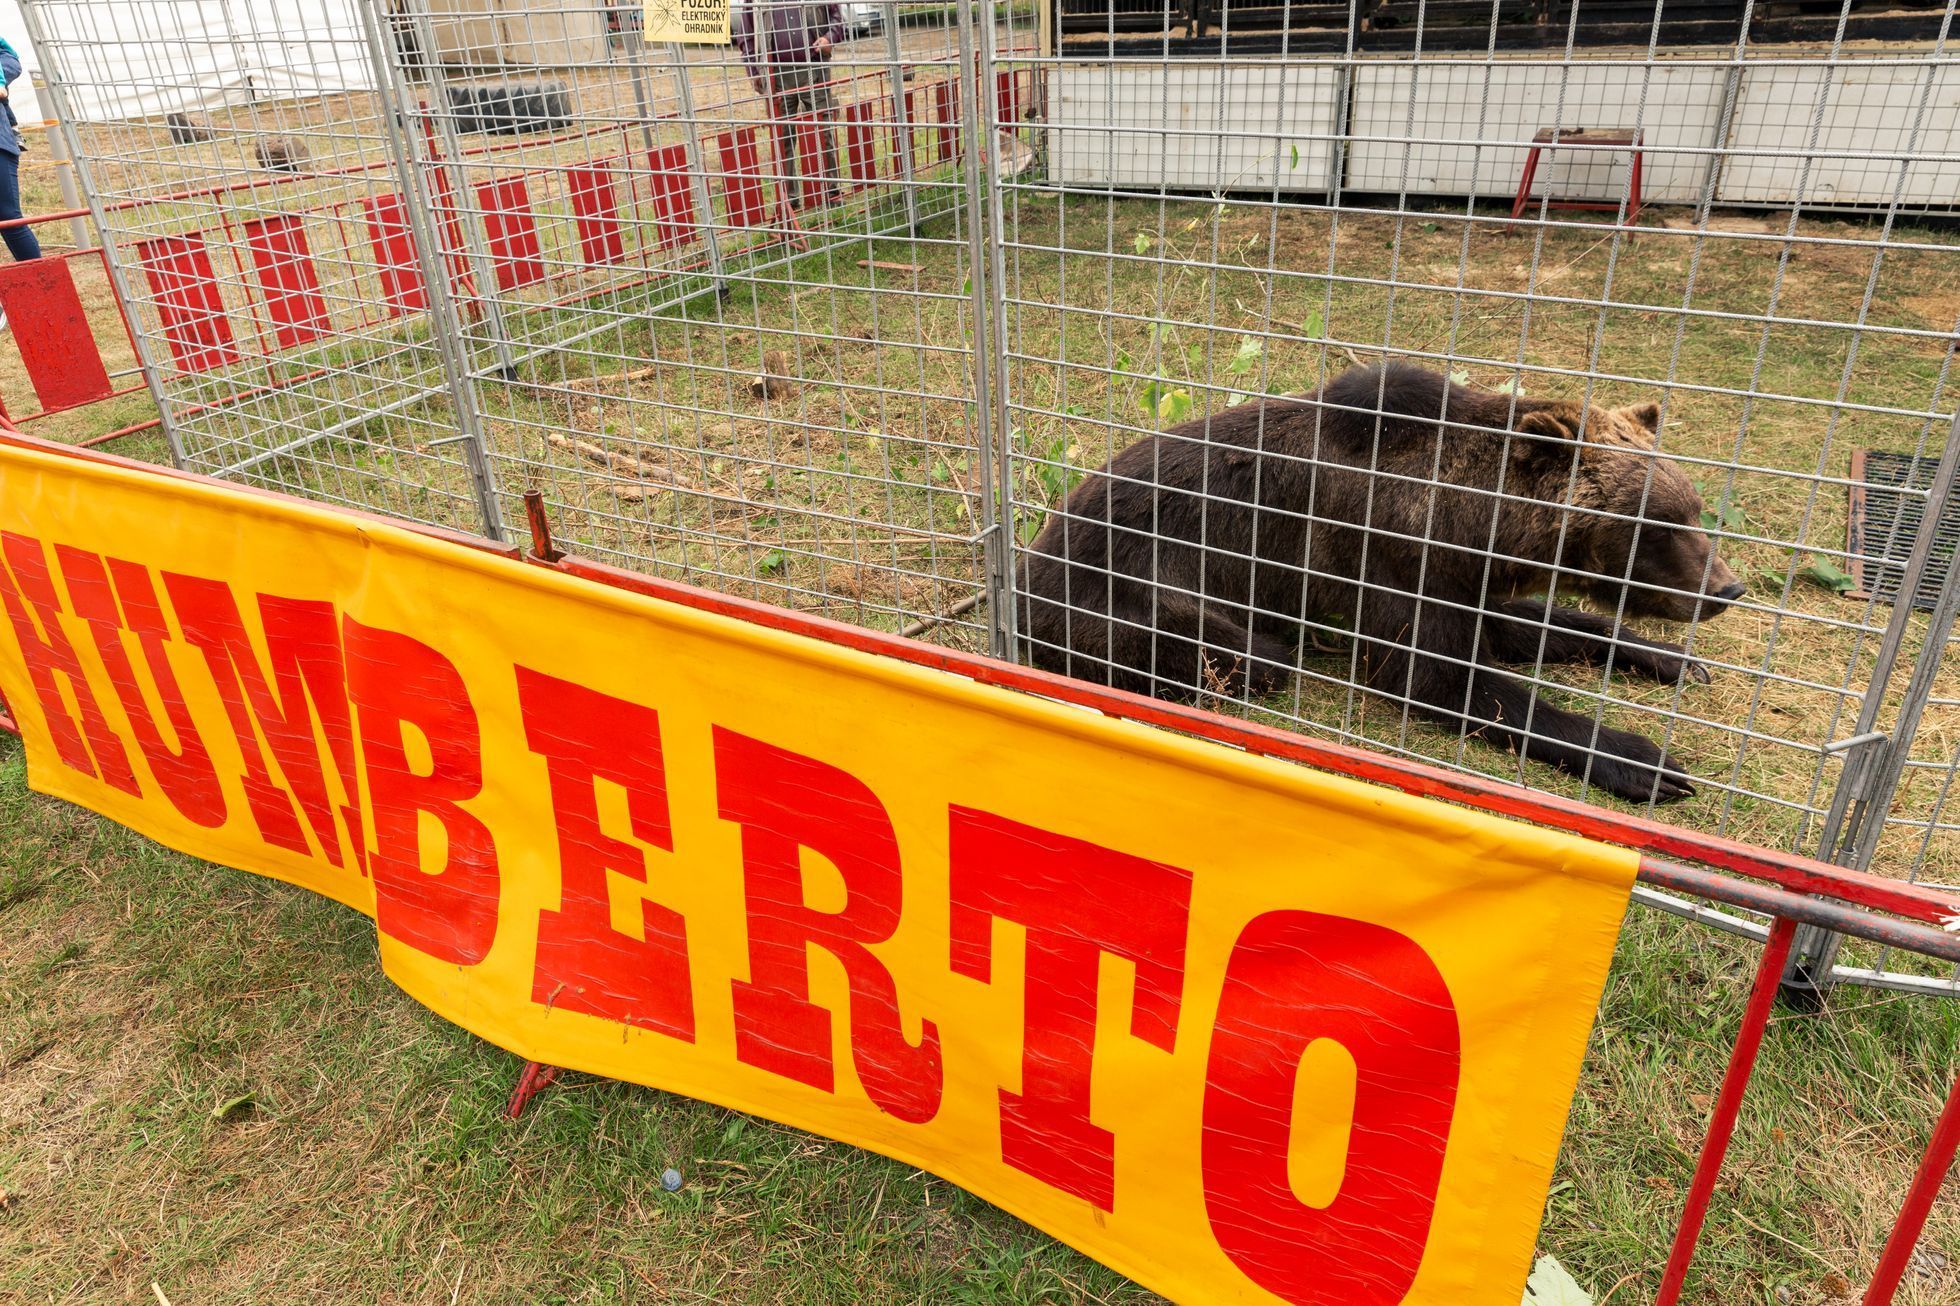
1666,663
1639,771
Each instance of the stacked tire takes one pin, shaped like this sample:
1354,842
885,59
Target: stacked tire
510,108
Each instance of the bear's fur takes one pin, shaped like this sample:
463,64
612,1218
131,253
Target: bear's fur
1416,512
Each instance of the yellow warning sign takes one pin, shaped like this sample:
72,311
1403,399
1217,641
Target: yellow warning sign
690,22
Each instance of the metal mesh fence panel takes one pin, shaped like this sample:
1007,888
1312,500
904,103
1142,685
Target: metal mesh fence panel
724,319
240,167
1313,285
1409,452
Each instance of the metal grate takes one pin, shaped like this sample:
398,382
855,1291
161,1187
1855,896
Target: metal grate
1888,503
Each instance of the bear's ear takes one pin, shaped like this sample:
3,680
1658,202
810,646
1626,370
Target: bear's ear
1543,426
1648,415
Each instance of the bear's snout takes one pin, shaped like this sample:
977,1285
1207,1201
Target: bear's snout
1724,587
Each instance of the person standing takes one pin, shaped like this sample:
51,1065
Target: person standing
786,47
20,240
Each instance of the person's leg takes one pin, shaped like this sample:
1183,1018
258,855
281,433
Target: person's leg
20,240
786,106
824,104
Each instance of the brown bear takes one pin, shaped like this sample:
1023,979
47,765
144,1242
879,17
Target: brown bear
1418,514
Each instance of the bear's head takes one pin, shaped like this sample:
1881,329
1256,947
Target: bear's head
1637,537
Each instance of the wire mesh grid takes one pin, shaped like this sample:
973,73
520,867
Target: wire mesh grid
776,399
262,247
859,333
1396,561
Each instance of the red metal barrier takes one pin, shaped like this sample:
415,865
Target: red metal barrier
188,301
63,364
290,281
946,102
595,212
860,144
515,254
277,288
394,254
741,166
1926,1183
672,193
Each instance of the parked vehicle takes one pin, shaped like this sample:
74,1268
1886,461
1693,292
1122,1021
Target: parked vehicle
864,19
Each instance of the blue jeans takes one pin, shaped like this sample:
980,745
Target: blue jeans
20,240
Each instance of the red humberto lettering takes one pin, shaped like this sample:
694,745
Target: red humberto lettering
335,700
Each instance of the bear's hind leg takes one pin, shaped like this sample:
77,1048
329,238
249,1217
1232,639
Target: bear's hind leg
1496,707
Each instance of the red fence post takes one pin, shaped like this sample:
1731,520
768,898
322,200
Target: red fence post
1721,1123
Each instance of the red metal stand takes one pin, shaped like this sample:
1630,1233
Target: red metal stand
1728,1104
536,1076
1926,1184
1552,138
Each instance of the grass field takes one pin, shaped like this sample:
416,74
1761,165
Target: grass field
141,991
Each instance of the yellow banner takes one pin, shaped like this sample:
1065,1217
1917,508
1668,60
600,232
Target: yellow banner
1243,1031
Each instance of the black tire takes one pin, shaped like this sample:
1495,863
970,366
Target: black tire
510,108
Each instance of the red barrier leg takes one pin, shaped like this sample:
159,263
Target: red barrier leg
1926,1184
1524,184
1721,1124
536,1076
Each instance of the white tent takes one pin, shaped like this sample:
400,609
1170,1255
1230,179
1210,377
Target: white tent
122,59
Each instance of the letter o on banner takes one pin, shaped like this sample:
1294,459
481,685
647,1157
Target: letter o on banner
1296,977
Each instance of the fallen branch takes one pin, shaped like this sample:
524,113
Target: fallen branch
587,382
619,464
913,268
964,606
